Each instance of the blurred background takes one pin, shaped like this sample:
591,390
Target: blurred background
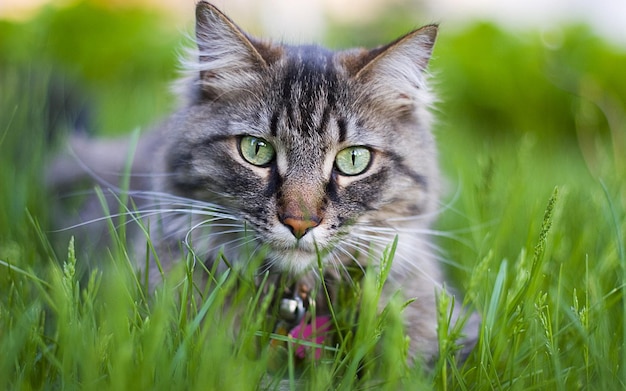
532,94
308,19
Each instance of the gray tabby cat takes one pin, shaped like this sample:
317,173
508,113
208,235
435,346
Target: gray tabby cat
308,150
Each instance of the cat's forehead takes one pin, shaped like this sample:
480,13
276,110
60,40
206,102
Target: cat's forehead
312,55
305,93
308,67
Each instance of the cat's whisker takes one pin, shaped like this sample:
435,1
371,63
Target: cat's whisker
377,243
265,267
376,237
409,265
208,244
452,235
257,246
231,244
384,242
187,206
334,261
316,274
209,223
359,247
436,251
272,262
108,187
183,205
340,264
377,229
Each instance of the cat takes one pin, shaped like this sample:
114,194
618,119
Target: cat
305,151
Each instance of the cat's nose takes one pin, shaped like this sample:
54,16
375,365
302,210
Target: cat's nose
299,227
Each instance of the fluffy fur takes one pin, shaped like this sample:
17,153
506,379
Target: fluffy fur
194,187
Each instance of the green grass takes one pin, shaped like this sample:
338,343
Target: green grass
532,140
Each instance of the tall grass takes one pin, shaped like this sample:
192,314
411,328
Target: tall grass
535,221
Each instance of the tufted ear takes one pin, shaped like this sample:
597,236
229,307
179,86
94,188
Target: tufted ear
228,59
395,73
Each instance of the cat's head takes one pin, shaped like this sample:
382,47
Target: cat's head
306,146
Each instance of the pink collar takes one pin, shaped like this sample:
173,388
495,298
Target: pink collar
313,332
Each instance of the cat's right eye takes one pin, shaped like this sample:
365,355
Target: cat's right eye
256,151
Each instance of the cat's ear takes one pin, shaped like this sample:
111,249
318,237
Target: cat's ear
228,60
395,73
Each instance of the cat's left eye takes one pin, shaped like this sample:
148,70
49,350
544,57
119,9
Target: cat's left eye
256,151
353,160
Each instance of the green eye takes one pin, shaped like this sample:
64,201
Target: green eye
353,160
256,150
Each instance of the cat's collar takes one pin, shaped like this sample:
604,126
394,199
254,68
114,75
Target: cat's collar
298,324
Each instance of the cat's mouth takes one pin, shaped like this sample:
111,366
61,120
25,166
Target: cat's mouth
295,260
289,253
284,241
297,255
299,248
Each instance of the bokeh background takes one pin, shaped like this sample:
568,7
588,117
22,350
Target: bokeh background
532,97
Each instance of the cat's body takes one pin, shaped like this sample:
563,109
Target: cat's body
297,149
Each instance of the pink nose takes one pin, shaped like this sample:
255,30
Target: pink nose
299,227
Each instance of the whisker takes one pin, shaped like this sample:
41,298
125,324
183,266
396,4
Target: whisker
242,241
409,265
357,246
452,235
351,257
144,213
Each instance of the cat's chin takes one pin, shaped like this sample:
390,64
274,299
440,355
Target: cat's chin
298,256
295,260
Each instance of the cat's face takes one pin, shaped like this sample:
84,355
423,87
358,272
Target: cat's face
308,148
